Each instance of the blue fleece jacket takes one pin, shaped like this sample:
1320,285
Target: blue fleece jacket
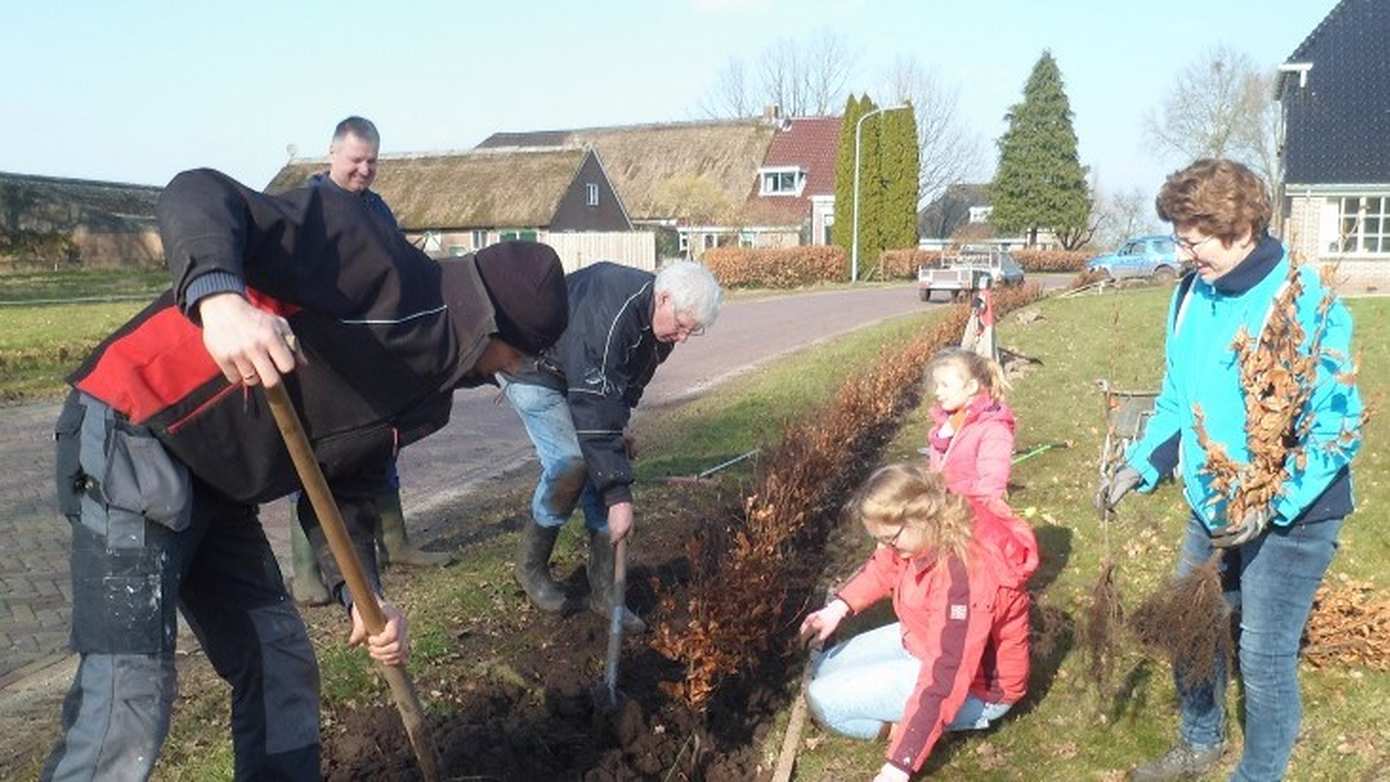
1201,369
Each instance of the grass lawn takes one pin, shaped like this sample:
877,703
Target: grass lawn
41,342
82,284
1061,731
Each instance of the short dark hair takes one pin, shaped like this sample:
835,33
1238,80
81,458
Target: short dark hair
360,127
1220,197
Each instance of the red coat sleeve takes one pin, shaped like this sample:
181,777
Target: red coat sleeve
874,581
958,622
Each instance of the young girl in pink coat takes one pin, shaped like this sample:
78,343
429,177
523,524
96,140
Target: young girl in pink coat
971,441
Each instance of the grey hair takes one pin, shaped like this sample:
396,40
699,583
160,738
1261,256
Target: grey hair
360,127
693,290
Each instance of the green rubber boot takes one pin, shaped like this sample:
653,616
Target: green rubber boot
307,585
392,542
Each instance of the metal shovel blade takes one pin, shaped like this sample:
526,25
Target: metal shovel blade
607,698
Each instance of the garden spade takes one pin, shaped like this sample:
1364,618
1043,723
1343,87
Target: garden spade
311,478
607,698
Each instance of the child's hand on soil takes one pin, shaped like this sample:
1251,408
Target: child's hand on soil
823,622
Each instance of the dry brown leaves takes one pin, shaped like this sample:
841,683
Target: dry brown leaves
739,574
1350,625
1277,376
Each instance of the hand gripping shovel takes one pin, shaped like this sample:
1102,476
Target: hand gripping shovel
311,477
607,698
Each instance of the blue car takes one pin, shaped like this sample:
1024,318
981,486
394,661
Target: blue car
1142,256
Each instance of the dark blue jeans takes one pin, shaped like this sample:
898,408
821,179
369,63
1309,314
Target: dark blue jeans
1271,581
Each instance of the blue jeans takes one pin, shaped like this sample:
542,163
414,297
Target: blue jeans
862,684
564,478
1271,581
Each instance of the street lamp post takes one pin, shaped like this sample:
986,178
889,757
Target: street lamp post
854,228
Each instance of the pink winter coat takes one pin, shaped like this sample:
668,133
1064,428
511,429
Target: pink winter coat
976,460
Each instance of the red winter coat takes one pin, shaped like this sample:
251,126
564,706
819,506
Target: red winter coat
966,621
977,459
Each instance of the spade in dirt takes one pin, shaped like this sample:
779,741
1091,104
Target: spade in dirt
608,698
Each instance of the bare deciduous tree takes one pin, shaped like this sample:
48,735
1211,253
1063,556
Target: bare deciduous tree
1220,105
948,152
803,78
731,94
1122,214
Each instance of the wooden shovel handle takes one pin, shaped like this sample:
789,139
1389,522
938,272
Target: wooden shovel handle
330,519
364,597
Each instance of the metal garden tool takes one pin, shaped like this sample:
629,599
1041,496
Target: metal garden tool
311,478
607,698
704,475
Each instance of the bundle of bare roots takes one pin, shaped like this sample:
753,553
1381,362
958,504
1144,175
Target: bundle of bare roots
1098,637
1187,620
1189,623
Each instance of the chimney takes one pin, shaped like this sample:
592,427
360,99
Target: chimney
772,112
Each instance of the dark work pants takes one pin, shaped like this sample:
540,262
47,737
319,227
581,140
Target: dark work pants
130,573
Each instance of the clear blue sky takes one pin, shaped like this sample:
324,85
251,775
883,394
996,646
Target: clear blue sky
137,91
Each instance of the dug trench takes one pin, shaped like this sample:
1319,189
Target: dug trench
521,708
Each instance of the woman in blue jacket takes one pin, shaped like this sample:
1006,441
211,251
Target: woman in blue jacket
1276,555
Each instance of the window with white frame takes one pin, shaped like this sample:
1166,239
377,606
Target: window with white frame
593,193
745,238
710,238
479,239
781,181
1363,225
684,242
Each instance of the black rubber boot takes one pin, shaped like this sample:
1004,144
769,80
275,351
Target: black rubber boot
601,583
533,567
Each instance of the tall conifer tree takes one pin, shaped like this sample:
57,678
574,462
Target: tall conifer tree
1040,182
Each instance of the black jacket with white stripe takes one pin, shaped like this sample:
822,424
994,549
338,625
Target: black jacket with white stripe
602,364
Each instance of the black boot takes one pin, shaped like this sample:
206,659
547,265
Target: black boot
601,583
533,566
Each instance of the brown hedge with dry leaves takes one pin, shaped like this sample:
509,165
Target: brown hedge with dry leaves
741,574
785,267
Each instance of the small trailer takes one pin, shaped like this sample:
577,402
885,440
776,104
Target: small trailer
970,268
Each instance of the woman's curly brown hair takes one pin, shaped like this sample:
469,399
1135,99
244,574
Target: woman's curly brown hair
914,500
1219,197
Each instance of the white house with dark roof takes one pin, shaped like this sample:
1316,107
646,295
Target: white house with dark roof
1334,96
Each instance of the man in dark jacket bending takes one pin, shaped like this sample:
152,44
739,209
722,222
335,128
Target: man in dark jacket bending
165,448
575,402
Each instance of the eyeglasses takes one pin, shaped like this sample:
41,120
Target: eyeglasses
891,541
1188,245
688,329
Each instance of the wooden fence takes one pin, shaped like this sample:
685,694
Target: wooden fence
629,248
